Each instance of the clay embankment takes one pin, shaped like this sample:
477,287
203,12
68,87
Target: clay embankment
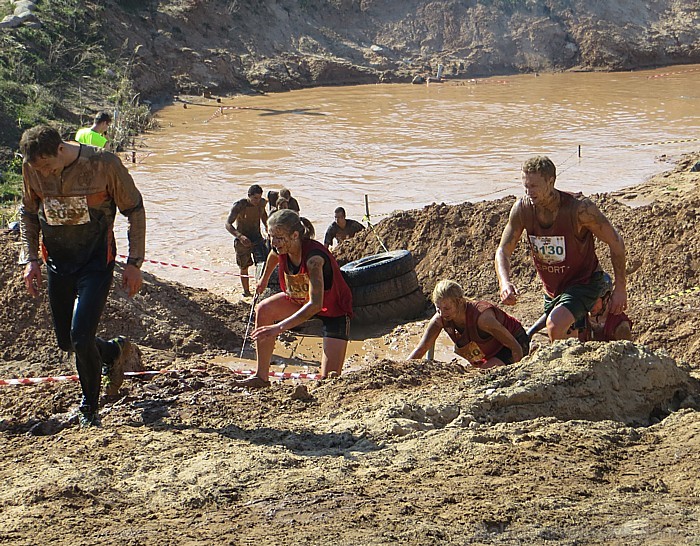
578,443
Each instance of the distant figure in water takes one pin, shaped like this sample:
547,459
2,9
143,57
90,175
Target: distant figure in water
243,223
483,334
274,196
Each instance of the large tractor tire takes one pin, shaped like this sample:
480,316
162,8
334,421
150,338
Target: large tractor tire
378,268
404,308
390,289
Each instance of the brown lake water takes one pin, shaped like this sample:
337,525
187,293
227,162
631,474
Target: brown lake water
404,146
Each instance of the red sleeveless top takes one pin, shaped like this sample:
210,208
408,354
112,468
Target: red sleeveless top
337,301
562,258
474,344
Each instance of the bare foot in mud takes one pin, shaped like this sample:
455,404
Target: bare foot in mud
253,382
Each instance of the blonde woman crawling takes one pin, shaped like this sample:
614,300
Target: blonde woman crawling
483,334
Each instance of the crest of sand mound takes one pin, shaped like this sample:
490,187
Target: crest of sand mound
617,381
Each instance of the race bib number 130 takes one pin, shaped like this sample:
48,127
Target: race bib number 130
549,250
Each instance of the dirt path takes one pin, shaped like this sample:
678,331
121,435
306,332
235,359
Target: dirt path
578,444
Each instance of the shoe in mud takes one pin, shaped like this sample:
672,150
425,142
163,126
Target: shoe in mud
129,359
88,420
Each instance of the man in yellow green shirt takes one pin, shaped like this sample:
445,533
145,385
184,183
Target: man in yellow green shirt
94,136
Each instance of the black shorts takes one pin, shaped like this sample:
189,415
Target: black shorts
336,327
505,355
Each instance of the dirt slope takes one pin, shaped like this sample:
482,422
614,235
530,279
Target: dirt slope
578,444
193,46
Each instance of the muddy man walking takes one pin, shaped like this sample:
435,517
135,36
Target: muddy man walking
561,229
71,195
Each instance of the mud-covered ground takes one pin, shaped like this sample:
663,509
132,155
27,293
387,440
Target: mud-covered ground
578,444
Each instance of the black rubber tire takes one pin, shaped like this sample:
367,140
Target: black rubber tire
378,267
405,308
371,294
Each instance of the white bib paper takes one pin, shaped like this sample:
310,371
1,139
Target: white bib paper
66,211
549,250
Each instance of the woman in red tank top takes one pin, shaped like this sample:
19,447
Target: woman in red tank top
312,285
483,334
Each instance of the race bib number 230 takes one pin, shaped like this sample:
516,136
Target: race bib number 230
549,250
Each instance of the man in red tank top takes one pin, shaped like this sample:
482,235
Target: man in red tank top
561,229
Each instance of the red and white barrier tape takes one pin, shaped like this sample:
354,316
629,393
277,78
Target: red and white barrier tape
282,375
58,378
672,73
204,269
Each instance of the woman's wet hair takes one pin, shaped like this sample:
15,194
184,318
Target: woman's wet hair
447,289
290,221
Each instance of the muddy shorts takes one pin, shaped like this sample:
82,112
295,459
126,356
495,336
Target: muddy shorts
247,255
505,355
578,299
336,327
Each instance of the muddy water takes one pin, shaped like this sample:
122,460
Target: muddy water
404,146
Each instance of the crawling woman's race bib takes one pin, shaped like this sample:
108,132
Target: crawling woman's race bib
66,211
471,351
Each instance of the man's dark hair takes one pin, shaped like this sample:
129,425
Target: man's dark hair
103,116
255,189
542,165
42,140
339,210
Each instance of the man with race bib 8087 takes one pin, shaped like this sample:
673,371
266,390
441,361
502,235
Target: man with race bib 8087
561,228
71,195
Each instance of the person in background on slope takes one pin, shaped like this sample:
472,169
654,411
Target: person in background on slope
482,333
600,324
561,229
604,326
312,285
342,228
71,195
95,135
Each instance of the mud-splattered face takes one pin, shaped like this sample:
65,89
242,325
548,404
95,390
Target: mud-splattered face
47,165
255,199
447,308
537,187
282,241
